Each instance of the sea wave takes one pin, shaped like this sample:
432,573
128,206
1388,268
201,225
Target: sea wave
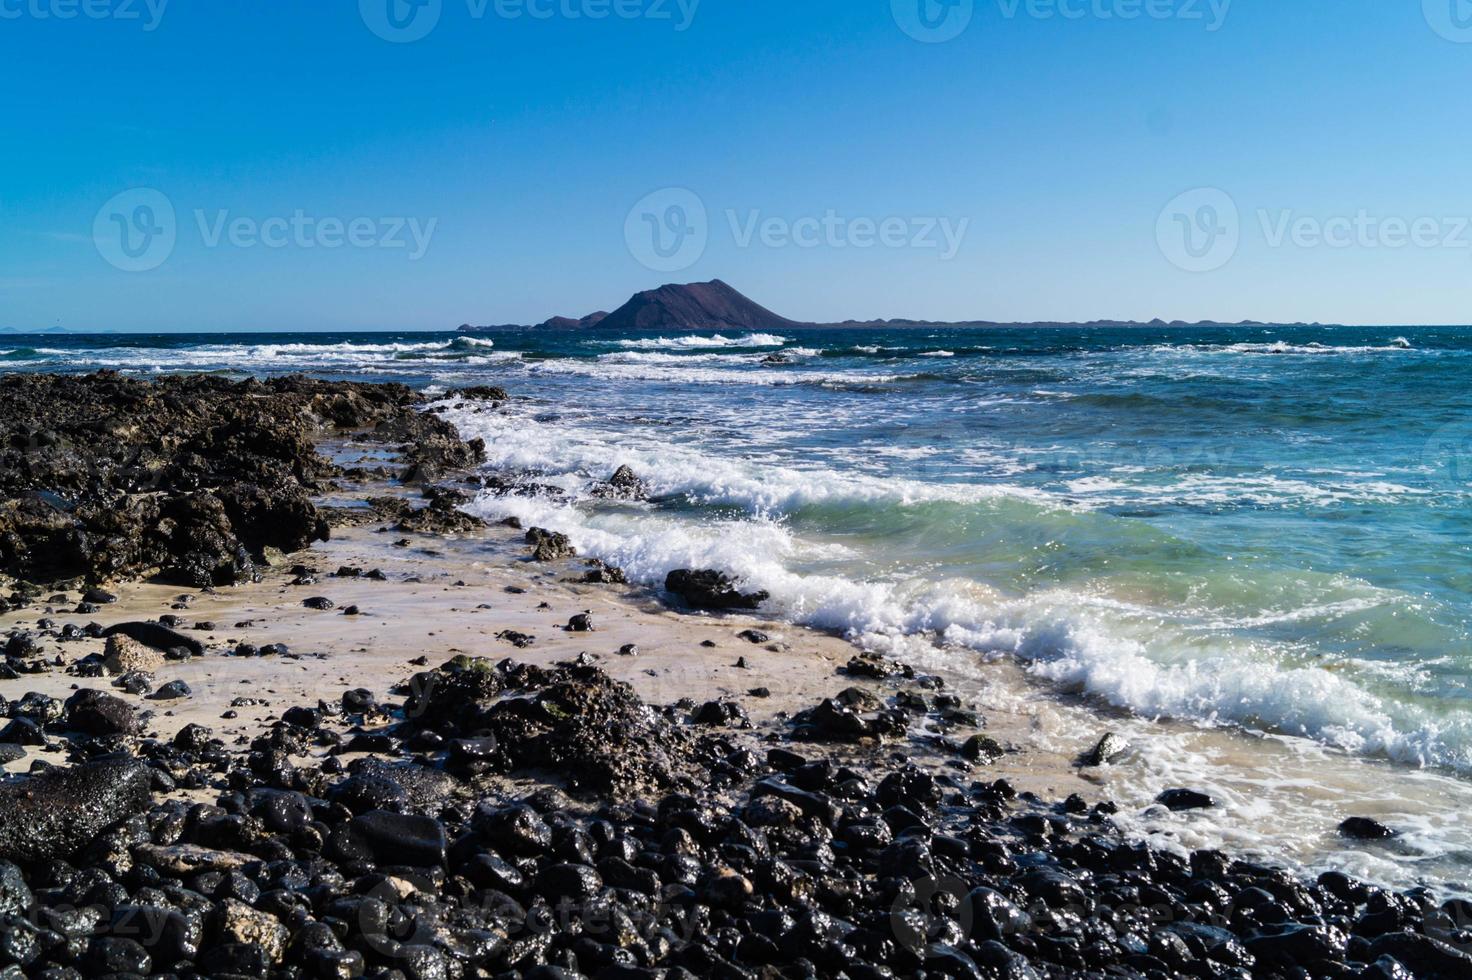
765,524
274,356
1398,345
678,372
697,341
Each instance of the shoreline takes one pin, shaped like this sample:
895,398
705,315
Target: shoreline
420,616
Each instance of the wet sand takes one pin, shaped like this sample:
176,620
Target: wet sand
445,596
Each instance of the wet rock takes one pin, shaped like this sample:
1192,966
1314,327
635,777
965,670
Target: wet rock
156,636
516,830
1109,748
193,738
172,691
754,636
571,881
99,713
1363,828
519,640
54,813
40,708
575,721
874,666
601,574
358,701
235,960
397,838
239,923
981,748
320,603
624,484
1185,799
1296,943
581,623
718,713
549,545
1423,955
113,956
134,682
813,804
191,475
22,731
15,895
189,859
711,590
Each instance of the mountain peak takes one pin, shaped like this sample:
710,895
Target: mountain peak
693,306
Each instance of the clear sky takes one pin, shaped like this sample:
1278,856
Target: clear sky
317,164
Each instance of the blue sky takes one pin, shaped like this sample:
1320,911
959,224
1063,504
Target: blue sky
518,159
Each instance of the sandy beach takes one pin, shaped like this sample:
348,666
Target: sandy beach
443,596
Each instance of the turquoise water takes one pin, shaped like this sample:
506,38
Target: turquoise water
1269,527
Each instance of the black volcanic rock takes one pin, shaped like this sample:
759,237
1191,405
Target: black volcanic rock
710,589
193,477
55,812
694,306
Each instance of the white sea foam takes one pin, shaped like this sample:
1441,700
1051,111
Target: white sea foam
697,341
1215,490
678,360
678,372
1125,653
1284,347
462,351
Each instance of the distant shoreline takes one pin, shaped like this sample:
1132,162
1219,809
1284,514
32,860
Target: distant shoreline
874,325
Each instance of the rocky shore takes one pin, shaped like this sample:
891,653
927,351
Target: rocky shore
194,478
497,781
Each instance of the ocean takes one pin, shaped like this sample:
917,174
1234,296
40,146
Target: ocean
1265,529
